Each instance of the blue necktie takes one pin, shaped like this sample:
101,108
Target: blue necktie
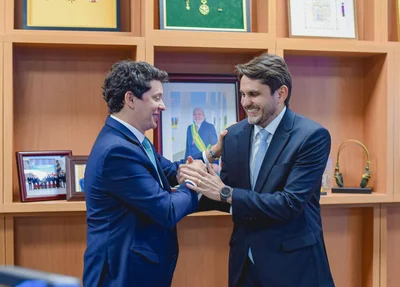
258,159
149,151
262,150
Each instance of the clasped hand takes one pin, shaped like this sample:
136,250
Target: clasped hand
207,181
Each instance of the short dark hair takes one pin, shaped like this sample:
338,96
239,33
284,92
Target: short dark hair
127,76
270,70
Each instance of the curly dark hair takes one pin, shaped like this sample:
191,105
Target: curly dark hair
270,70
127,76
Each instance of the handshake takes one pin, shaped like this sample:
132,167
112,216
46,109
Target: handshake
200,177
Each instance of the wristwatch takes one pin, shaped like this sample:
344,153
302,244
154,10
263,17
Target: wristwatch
225,193
213,154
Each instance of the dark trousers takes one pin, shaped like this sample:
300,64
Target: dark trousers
249,277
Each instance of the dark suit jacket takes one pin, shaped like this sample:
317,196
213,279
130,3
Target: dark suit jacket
281,219
207,133
131,234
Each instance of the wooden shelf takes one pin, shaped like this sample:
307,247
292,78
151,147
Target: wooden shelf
337,198
211,40
73,38
331,47
80,206
44,206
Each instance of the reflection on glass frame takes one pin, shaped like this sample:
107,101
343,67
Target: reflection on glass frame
198,107
42,175
75,166
322,18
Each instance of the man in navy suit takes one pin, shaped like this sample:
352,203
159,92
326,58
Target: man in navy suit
200,134
131,212
272,166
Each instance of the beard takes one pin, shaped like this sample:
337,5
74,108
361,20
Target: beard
267,114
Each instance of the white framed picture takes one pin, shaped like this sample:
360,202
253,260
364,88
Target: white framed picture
322,18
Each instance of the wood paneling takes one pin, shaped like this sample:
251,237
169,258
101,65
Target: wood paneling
53,244
336,91
392,246
349,245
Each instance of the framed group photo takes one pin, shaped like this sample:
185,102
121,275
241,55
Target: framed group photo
75,166
198,108
42,175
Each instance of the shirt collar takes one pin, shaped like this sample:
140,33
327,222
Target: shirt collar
135,131
272,126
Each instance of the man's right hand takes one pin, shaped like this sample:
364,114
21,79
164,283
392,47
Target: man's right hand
190,161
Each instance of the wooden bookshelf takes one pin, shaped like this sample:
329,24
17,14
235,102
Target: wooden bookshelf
349,86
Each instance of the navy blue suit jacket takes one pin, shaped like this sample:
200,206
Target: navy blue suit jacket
207,133
131,233
281,219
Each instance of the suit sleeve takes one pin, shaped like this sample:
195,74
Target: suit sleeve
129,179
302,183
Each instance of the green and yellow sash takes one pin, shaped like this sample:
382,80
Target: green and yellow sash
197,139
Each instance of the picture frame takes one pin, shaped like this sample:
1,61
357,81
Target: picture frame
75,170
89,15
222,15
42,175
217,96
323,19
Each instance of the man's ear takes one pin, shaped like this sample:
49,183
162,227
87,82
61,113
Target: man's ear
130,99
283,92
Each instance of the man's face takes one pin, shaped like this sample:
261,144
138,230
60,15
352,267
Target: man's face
260,106
148,109
198,116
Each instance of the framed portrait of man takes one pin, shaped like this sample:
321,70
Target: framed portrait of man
198,108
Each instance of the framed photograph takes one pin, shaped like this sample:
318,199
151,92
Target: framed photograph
198,107
89,15
75,167
222,15
42,175
322,18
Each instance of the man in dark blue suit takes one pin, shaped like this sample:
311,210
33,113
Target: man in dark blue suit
200,134
272,166
131,211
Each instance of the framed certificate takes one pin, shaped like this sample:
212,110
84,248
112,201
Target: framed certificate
322,18
92,15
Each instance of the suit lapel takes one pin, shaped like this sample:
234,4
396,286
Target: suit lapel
129,136
279,141
244,140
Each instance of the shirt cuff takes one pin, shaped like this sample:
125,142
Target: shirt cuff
191,182
205,159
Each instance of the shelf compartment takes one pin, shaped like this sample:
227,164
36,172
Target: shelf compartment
53,100
73,38
347,94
